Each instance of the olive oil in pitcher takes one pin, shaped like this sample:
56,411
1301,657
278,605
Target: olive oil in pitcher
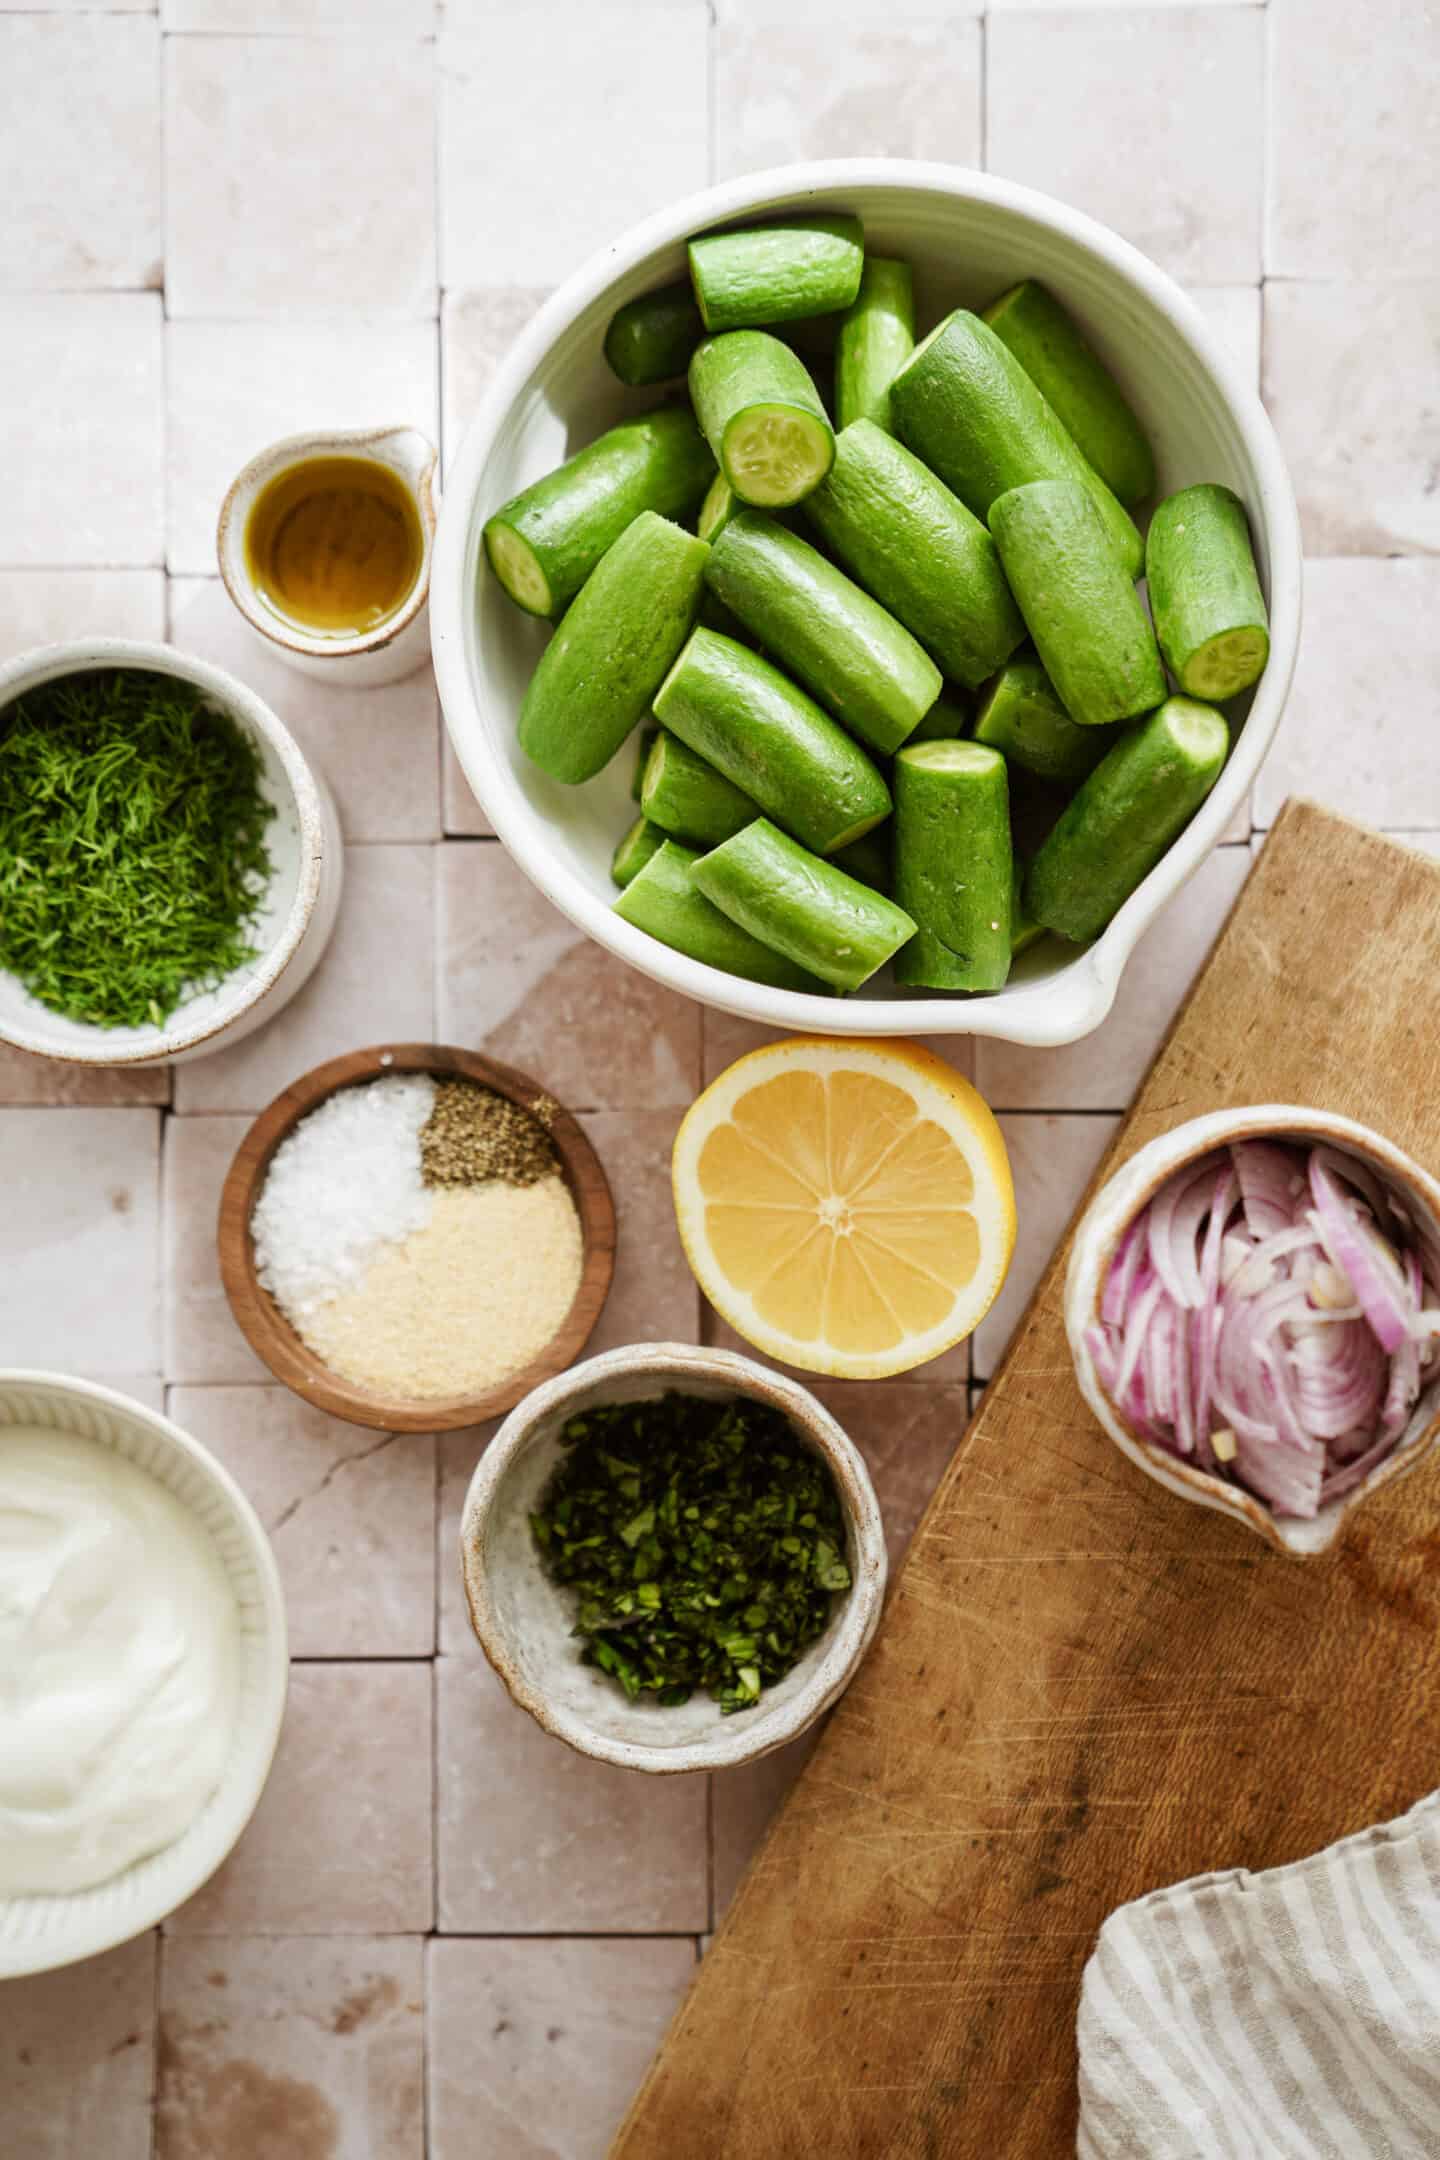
333,545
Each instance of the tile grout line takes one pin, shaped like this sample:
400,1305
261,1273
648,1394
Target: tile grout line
984,27
1267,164
163,64
712,142
153,2104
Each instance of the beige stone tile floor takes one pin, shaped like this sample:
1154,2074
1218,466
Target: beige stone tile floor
442,1933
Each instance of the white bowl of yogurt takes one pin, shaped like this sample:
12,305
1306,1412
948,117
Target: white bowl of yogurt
143,1668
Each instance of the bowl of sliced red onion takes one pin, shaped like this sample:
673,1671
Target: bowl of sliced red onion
1253,1307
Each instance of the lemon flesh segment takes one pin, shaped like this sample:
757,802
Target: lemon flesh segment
841,1218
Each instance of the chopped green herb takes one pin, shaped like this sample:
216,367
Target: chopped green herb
703,1541
132,845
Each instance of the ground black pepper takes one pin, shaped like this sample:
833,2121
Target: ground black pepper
473,1135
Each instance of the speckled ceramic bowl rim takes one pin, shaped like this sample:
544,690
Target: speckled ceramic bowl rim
1097,1235
237,1797
1096,969
44,663
758,1732
300,450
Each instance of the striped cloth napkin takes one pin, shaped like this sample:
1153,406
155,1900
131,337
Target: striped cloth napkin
1293,2015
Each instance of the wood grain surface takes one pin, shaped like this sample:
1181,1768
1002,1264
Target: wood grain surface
269,1332
1085,1688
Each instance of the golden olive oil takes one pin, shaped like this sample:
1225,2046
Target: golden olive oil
334,545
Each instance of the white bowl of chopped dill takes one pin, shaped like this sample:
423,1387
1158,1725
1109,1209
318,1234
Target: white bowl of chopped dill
673,1557
170,864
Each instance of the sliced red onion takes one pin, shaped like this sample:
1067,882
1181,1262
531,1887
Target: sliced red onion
1173,1221
1120,1280
1282,1293
1382,1205
1266,1173
1137,1320
1290,1478
1368,1265
1405,1365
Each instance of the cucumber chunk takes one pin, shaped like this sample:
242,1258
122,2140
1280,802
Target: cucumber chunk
650,340
718,508
965,405
1021,716
765,734
803,907
1077,386
685,796
867,859
777,273
633,852
664,900
762,416
714,615
1205,594
644,744
862,665
1080,607
946,721
918,549
544,543
877,337
954,866
608,658
774,455
1139,798
1024,930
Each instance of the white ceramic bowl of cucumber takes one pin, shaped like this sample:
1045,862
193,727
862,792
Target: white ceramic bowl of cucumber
969,237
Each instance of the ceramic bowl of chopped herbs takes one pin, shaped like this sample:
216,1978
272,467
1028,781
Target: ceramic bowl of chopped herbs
170,863
673,1557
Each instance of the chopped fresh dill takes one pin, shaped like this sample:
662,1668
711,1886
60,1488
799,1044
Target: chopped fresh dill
133,860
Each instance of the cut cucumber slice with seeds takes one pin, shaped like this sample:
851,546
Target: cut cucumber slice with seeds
762,417
1204,593
544,543
773,454
1225,665
517,566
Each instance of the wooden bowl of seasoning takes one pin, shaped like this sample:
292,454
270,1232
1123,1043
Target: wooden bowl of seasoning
412,1237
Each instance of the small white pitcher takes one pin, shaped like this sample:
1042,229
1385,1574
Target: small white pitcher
401,643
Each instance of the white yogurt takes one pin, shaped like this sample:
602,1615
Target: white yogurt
119,1661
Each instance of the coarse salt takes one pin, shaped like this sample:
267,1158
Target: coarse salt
346,1182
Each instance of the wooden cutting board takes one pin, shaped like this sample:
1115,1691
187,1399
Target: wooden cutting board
1084,1688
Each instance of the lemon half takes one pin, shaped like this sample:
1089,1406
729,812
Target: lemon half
847,1206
